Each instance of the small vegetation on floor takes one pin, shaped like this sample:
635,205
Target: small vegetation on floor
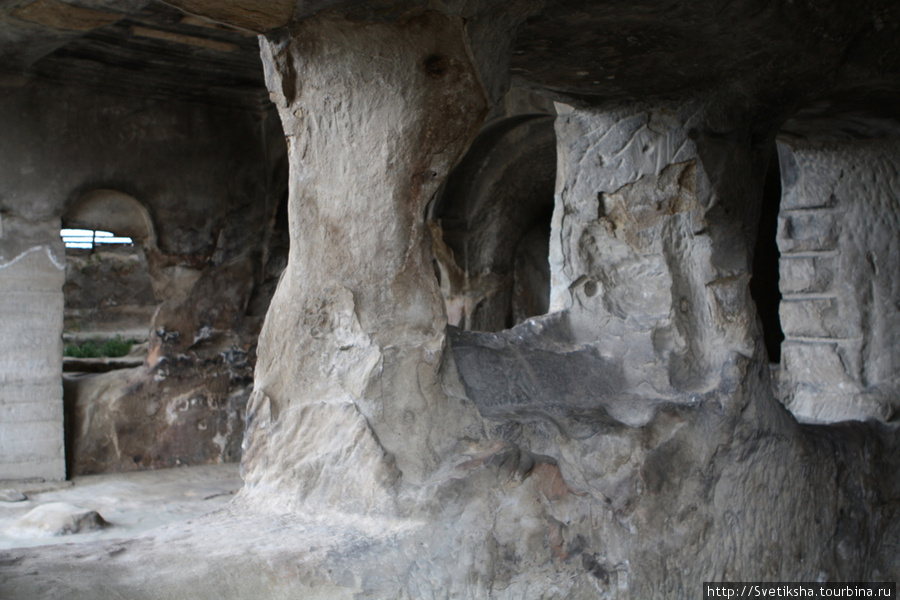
113,348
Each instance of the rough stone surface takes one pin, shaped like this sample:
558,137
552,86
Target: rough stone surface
202,219
252,15
11,495
186,412
838,239
32,270
648,242
628,445
56,518
360,383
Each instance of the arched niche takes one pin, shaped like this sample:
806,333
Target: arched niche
109,290
109,298
112,210
494,213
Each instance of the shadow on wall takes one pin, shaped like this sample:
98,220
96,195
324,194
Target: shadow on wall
764,285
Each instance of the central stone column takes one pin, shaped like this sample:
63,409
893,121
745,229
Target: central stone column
348,409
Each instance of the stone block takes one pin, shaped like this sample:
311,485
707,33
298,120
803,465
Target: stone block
21,392
815,406
807,274
812,190
56,518
35,438
817,318
33,468
818,364
807,231
27,412
31,416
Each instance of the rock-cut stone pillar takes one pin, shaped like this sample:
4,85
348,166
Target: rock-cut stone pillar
32,273
348,406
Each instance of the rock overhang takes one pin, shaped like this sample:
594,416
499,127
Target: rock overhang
782,56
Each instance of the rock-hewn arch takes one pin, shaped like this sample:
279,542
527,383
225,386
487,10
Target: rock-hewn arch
112,210
494,214
627,445
111,290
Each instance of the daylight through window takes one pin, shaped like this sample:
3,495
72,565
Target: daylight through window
89,238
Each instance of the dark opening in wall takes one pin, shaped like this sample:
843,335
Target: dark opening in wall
109,305
109,290
531,271
764,286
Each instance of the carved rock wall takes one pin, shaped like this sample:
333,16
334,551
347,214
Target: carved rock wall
32,270
208,180
838,240
650,242
626,446
648,481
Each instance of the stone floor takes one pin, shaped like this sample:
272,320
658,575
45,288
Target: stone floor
131,502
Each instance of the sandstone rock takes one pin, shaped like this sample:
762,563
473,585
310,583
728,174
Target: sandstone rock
838,242
644,254
56,518
359,285
186,412
627,445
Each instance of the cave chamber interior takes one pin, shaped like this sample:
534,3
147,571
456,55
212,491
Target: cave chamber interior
489,299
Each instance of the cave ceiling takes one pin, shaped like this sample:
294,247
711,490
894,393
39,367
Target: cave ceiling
826,57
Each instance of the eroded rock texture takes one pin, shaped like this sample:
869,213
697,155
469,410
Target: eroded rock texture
184,412
626,446
372,131
647,394
651,240
838,242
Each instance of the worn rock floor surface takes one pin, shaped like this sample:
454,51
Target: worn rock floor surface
132,503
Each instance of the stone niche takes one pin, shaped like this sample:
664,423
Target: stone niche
109,289
490,224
